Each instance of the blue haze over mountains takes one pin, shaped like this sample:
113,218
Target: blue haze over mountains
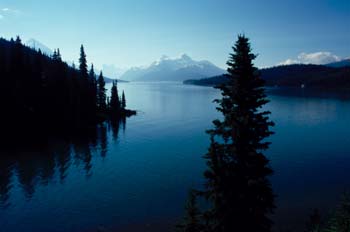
37,45
173,69
165,69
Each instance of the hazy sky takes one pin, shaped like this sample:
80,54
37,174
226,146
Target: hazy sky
137,32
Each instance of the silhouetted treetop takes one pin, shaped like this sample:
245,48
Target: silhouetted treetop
237,185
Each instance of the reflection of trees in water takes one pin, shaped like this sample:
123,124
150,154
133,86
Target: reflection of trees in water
103,144
42,165
5,181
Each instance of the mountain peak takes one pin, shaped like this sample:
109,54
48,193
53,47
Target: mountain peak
186,57
173,69
164,57
36,45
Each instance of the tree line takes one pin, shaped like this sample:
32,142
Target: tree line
295,75
40,93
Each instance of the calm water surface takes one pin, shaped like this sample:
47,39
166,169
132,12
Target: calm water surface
135,176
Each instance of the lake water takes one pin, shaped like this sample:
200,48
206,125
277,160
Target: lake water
135,176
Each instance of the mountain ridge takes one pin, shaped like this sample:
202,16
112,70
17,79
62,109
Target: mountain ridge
339,64
296,75
37,45
173,69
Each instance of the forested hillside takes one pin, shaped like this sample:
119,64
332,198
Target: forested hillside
40,94
310,76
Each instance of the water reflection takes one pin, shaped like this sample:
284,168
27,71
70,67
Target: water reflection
309,93
39,166
124,181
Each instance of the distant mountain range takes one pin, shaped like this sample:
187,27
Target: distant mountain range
36,45
110,70
184,68
331,76
165,69
173,69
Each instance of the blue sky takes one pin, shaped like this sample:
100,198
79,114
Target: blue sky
136,32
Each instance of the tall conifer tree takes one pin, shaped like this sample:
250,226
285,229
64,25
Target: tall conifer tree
92,89
83,67
237,182
87,111
191,221
123,103
92,75
114,102
101,93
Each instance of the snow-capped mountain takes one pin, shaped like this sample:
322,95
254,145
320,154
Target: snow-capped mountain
110,70
32,43
176,69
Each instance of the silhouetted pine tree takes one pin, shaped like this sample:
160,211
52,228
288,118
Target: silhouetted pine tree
92,75
92,90
114,101
87,112
192,220
123,101
83,63
237,182
59,55
101,93
56,56
340,222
